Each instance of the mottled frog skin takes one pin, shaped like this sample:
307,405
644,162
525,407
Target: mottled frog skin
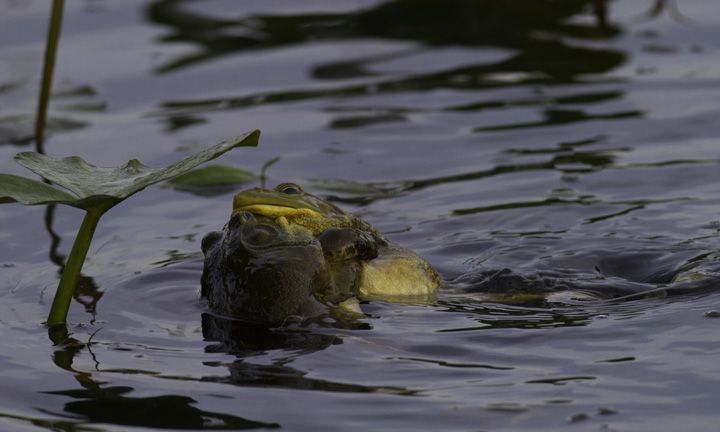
286,252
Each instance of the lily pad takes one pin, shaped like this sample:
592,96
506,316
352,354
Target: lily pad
92,184
30,192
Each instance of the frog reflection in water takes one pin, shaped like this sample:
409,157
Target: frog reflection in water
286,252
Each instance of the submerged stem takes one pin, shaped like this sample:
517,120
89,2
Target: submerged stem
50,52
71,273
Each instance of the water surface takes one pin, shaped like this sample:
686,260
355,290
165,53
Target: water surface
513,144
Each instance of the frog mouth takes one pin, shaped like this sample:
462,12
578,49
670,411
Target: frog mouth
275,211
270,202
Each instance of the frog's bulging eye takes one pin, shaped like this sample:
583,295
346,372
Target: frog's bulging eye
241,217
246,216
259,235
290,189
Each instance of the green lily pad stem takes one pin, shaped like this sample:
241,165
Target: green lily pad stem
71,272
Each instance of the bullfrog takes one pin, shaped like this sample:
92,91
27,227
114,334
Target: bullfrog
285,252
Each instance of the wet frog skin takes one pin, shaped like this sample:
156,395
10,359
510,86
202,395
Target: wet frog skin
286,252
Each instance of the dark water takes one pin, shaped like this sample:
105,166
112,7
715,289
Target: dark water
520,146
